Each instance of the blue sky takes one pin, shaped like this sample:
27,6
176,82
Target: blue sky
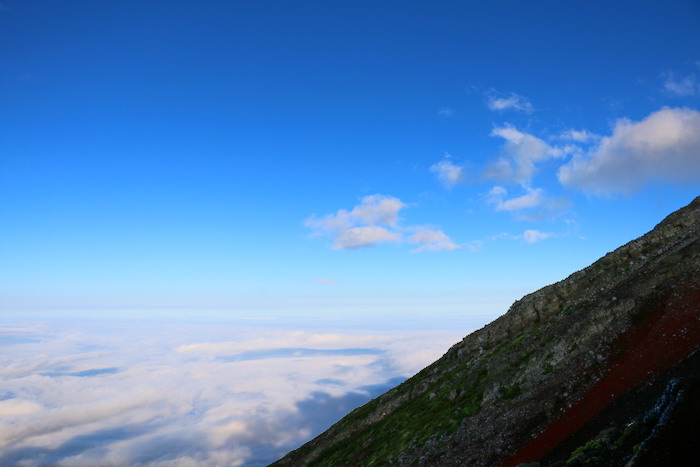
223,225
334,158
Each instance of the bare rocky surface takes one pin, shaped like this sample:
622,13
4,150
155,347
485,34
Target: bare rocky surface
542,383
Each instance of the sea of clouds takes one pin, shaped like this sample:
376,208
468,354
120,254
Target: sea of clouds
161,393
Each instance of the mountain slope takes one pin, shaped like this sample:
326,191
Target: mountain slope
613,343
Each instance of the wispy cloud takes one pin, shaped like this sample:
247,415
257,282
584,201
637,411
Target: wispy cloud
523,151
501,102
681,85
532,205
446,112
432,240
534,236
448,173
325,281
579,136
663,146
529,236
474,245
531,199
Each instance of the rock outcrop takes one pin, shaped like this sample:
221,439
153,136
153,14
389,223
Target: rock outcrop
601,365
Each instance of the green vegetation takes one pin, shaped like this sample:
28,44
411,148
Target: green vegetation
613,446
534,334
436,401
524,357
456,395
509,392
591,453
545,342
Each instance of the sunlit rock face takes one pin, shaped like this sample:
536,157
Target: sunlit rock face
598,369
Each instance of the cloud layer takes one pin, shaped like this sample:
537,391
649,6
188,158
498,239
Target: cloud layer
187,394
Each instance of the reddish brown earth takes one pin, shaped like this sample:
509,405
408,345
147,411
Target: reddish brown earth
664,339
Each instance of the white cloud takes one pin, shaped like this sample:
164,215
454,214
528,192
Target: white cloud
523,151
531,199
18,407
432,240
375,220
378,209
177,400
373,209
474,245
681,86
448,173
534,205
499,102
359,237
580,136
330,222
357,228
497,193
524,145
281,340
663,146
325,281
446,112
529,236
534,236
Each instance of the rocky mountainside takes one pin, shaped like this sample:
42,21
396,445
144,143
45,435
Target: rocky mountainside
601,368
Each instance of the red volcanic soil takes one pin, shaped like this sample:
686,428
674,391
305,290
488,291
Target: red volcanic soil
668,335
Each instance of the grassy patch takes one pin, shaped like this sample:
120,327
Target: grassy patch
456,395
509,392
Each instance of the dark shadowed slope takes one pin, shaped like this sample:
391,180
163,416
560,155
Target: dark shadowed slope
598,369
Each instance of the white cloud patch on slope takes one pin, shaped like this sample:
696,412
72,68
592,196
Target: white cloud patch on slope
663,146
